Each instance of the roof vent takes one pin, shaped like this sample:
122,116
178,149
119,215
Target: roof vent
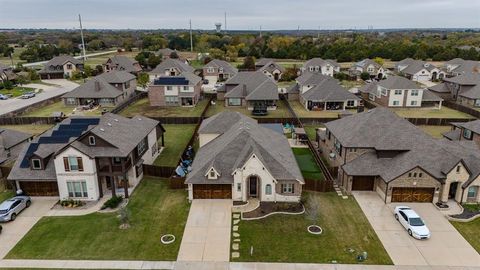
109,124
101,129
139,119
116,120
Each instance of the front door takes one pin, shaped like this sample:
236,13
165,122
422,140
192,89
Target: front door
453,190
253,186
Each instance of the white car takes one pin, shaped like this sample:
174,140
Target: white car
218,85
412,222
10,208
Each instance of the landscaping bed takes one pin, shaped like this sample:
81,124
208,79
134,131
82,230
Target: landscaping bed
155,210
143,107
469,211
307,164
176,140
284,238
280,112
267,208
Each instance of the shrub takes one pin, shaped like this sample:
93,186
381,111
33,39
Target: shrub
112,202
341,76
365,76
71,203
8,85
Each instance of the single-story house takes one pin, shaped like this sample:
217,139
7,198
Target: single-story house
374,69
419,71
11,143
270,68
459,66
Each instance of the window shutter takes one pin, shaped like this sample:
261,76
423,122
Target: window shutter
80,164
65,164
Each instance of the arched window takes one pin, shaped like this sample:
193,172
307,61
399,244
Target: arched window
268,189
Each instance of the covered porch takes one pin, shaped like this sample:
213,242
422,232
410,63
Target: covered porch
316,105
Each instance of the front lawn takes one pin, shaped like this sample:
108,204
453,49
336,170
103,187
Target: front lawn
280,112
436,131
282,238
176,139
444,112
143,107
470,231
154,210
17,91
5,194
307,164
303,113
33,129
47,111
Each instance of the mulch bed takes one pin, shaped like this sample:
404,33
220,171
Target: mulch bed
266,208
238,203
466,214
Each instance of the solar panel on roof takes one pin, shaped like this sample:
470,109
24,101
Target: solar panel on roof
31,149
170,81
89,121
58,139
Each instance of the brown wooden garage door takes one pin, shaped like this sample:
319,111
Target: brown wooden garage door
40,188
412,194
363,182
212,191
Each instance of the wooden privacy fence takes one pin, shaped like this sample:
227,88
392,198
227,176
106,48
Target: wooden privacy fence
121,107
462,108
437,121
28,120
319,185
158,171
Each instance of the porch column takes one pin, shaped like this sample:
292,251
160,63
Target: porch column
125,185
163,139
325,106
99,178
112,184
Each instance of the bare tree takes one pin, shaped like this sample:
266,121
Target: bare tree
312,208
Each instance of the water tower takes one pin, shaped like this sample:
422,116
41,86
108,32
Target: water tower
218,27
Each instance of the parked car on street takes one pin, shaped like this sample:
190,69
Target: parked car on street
10,208
3,97
412,222
27,95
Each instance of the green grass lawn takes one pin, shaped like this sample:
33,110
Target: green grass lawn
154,210
17,91
444,112
6,194
59,106
307,164
143,107
470,231
282,238
436,131
33,129
280,112
311,131
302,112
176,139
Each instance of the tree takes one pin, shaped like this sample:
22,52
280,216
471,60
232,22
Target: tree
365,76
312,208
174,55
248,63
217,53
379,60
88,71
290,74
143,80
153,60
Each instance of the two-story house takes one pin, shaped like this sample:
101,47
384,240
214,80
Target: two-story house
170,67
239,159
464,89
374,69
379,151
397,91
218,71
120,62
85,158
180,90
459,66
318,92
60,67
318,65
107,89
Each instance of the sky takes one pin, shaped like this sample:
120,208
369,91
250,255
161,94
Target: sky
241,15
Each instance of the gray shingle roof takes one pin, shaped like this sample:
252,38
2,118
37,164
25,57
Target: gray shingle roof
472,125
471,92
59,61
172,63
271,67
416,66
365,63
94,88
320,62
227,67
430,96
222,122
398,82
117,76
236,145
369,88
10,137
464,66
124,63
329,90
465,79
252,86
439,88
311,78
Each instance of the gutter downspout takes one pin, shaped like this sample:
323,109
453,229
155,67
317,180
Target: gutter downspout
386,193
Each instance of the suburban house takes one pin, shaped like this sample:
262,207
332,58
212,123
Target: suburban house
85,158
218,71
250,89
397,91
165,53
318,65
180,90
464,88
170,67
6,73
458,66
11,144
239,159
374,69
465,132
379,151
120,62
60,67
107,89
419,71
317,92
270,68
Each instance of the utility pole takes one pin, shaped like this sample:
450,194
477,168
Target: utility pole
81,34
191,38
225,22
260,31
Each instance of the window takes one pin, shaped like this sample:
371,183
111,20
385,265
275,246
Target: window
36,164
420,174
220,70
311,68
371,97
91,140
239,187
414,174
234,102
467,134
142,147
414,93
396,103
352,150
73,163
383,91
317,68
77,189
71,101
409,174
338,147
268,189
413,103
186,88
210,70
106,101
350,103
212,174
458,169
329,136
169,88
127,85
69,66
287,188
171,100
398,92
472,192
117,160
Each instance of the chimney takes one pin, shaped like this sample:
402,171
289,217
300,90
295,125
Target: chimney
97,85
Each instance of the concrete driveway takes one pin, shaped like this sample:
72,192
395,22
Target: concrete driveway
62,86
14,231
207,233
446,247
